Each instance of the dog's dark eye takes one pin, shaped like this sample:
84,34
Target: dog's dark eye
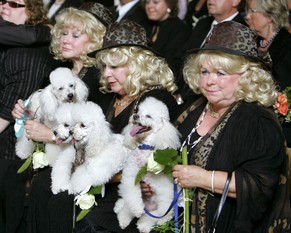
82,125
148,116
72,85
61,88
66,125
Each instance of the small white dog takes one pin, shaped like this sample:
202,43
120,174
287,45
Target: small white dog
149,129
96,156
64,87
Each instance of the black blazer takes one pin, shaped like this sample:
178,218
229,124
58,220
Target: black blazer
173,34
136,13
23,35
200,31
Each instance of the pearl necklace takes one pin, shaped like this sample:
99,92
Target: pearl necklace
269,41
188,139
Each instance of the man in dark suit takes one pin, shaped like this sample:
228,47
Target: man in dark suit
223,10
130,10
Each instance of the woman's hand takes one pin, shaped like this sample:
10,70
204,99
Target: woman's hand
18,109
38,131
189,176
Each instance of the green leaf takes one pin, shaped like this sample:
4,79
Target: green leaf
25,165
167,156
95,190
141,173
82,214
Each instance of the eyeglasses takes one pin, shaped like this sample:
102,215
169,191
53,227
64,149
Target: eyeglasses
251,11
12,4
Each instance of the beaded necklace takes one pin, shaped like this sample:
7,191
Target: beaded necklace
188,139
269,41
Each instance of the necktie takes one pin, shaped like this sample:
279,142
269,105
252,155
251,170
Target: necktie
155,33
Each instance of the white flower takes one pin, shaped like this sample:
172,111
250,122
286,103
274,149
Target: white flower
39,160
85,201
153,166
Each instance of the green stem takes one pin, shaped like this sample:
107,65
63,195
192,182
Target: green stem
186,191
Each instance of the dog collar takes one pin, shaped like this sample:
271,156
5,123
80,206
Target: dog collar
145,147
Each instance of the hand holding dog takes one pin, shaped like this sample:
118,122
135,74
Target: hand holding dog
18,109
38,131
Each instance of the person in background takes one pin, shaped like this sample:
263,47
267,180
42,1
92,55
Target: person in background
230,132
125,43
167,33
130,10
269,19
23,69
76,33
23,35
55,6
197,9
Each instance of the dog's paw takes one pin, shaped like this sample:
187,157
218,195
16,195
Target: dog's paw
124,221
80,180
118,205
144,226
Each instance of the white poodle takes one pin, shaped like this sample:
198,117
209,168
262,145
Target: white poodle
64,88
149,129
96,156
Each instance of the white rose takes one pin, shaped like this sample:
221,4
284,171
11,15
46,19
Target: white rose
86,201
39,160
153,166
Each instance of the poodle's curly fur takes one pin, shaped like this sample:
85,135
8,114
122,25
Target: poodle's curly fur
96,156
150,126
64,87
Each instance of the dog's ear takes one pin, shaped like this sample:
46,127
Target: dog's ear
48,102
81,90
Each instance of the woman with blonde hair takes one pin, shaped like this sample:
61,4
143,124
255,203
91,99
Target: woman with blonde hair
76,33
236,147
132,71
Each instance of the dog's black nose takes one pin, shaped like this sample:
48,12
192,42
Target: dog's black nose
135,117
71,132
70,96
55,132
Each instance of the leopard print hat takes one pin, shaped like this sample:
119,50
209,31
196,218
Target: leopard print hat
125,33
233,38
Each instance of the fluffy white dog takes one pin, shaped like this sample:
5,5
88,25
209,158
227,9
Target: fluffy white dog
149,129
64,87
96,156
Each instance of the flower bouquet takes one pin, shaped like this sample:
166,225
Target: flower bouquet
283,105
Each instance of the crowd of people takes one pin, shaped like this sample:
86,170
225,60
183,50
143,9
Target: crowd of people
219,69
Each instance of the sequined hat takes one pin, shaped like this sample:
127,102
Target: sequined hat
233,38
99,11
125,33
